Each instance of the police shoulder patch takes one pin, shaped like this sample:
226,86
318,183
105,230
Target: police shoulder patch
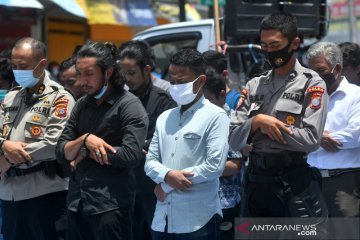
316,93
316,89
61,107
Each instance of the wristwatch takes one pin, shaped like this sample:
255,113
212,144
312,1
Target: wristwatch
1,144
84,152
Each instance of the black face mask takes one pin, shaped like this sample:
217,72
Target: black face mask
329,79
279,58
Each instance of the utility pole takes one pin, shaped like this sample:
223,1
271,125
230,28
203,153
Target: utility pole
182,15
352,21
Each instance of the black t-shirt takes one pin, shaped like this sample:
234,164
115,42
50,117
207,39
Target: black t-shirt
122,122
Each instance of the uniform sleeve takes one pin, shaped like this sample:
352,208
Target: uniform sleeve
307,137
349,136
69,133
44,150
153,165
134,123
216,151
240,123
2,116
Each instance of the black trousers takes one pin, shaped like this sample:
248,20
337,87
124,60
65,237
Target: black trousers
229,215
111,225
40,218
341,194
143,215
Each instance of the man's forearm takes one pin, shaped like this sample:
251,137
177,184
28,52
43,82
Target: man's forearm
72,148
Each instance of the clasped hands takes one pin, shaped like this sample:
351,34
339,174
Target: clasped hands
14,154
272,127
97,148
176,179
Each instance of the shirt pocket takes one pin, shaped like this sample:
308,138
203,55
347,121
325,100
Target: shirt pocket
289,112
192,142
191,139
35,128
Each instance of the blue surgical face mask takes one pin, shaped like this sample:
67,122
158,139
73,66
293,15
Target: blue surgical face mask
102,92
103,89
26,78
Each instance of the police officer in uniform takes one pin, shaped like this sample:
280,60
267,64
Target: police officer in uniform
282,115
33,116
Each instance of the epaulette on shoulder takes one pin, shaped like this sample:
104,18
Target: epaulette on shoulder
261,74
55,88
16,88
308,75
265,73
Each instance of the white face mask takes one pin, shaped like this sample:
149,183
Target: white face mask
183,93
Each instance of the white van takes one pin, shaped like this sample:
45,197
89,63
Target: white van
168,39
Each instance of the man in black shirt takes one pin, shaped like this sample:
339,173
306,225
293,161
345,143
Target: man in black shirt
103,141
136,61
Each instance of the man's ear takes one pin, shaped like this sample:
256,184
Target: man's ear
202,80
296,43
222,96
147,69
43,63
338,68
109,72
225,74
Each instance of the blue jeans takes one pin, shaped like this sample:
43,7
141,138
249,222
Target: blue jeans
211,231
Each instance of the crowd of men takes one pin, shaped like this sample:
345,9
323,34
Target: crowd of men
109,151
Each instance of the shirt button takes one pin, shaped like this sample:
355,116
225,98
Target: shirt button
176,138
172,154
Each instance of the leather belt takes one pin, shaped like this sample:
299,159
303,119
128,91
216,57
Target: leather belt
327,173
283,159
48,167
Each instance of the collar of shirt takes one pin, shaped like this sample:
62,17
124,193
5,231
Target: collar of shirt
344,84
192,108
147,92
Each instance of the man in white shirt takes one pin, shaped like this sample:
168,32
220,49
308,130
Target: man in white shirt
187,156
338,159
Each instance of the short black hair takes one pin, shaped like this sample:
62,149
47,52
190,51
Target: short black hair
283,22
106,55
351,54
6,53
39,49
140,51
215,82
215,60
66,64
6,72
189,58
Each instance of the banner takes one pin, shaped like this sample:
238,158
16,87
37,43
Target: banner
71,6
118,12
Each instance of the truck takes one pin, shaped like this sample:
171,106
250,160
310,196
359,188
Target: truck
166,40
